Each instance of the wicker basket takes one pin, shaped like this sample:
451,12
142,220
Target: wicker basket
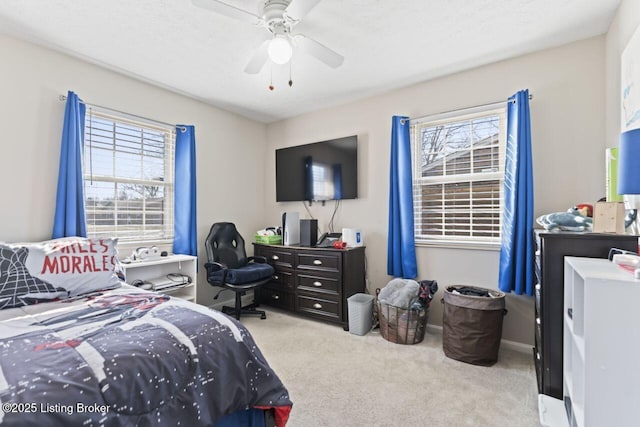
401,326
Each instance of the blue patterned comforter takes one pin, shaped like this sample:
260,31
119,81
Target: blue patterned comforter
128,357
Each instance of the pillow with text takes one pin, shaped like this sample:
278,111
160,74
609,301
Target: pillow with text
59,268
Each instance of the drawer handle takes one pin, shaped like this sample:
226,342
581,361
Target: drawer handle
538,320
317,262
275,277
537,355
318,306
275,296
275,257
317,284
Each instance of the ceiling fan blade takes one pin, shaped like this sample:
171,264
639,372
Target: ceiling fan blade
298,9
228,10
319,51
259,58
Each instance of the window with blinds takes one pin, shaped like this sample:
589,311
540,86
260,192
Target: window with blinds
128,178
458,176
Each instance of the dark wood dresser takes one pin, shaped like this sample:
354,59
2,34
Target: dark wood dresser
313,282
549,295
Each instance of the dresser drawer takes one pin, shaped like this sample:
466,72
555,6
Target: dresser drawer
277,257
318,283
282,277
319,261
313,282
275,297
320,307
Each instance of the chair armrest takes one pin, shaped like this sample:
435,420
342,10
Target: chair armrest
258,259
213,267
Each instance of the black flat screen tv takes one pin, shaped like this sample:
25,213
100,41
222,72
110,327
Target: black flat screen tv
326,170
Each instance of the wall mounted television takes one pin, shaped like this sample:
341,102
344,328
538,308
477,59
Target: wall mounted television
326,170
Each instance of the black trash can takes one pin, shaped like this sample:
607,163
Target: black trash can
472,324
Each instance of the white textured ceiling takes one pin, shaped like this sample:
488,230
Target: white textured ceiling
386,43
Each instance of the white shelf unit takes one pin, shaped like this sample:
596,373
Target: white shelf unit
601,383
160,267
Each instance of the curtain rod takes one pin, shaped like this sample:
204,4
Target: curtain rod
403,121
182,128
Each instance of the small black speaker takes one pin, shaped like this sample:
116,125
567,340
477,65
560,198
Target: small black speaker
308,232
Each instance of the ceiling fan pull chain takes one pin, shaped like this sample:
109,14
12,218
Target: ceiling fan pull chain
290,79
271,87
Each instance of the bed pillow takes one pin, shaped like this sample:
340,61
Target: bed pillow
59,268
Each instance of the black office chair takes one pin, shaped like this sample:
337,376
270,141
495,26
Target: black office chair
229,267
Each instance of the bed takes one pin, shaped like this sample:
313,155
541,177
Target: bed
79,347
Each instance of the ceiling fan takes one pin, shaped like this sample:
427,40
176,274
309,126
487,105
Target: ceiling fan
279,17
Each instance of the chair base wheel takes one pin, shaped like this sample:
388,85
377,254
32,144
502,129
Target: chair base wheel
232,311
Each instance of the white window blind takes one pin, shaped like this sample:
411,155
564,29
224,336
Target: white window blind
458,176
128,178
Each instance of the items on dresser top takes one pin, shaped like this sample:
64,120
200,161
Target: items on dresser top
352,237
291,228
571,220
313,282
327,240
269,235
308,232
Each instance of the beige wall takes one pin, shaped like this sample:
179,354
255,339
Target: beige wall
567,115
230,149
567,125
625,22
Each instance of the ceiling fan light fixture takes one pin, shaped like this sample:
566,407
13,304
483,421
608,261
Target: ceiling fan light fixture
280,50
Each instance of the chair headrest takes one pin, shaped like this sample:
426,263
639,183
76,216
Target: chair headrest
225,245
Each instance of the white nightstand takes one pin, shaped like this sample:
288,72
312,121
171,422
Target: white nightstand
159,268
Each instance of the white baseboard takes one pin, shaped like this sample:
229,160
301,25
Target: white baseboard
518,346
435,329
511,345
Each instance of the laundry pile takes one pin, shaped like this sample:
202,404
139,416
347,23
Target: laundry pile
408,294
402,309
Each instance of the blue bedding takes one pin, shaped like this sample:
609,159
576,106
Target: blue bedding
127,357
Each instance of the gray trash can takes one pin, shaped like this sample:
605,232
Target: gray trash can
360,313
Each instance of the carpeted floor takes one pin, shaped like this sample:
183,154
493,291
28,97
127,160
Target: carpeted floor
339,379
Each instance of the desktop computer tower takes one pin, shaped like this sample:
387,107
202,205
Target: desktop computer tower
308,232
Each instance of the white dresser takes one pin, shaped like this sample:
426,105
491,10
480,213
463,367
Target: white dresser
601,382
